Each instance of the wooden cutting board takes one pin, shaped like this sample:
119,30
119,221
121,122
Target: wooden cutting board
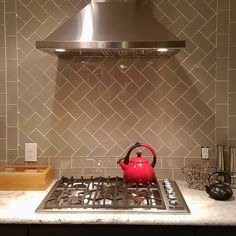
22,177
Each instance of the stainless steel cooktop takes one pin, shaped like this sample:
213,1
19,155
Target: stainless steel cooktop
113,194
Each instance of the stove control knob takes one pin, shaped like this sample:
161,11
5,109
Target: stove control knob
169,190
168,185
174,202
165,181
171,195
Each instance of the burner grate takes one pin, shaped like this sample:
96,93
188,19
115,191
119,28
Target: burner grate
103,193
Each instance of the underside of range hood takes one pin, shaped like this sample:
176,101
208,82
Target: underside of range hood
112,28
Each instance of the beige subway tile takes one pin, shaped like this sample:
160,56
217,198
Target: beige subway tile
22,11
80,123
203,75
31,59
185,108
209,60
2,36
222,136
11,156
202,42
221,115
39,106
232,37
153,108
185,139
60,162
39,138
232,57
232,11
72,140
2,18
232,106
112,92
113,172
40,76
82,162
104,139
169,76
31,92
11,47
172,163
96,123
66,151
151,76
101,106
3,125
10,6
38,11
193,59
170,141
222,44
194,25
31,124
12,138
223,22
221,92
169,10
54,11
178,122
163,173
202,139
96,92
112,123
29,28
223,4
2,104
209,28
3,149
209,126
75,172
12,115
232,81
2,61
2,82
55,139
222,69
203,9
64,123
11,70
10,24
95,172
63,92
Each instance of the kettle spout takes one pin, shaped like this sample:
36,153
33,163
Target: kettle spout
122,164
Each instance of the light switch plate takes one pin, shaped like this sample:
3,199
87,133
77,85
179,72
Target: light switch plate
30,152
205,153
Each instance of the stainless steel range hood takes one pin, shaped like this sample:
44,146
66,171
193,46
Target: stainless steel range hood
112,28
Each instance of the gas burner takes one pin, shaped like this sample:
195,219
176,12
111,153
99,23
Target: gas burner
112,193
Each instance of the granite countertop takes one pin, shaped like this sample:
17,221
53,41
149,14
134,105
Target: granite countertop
19,207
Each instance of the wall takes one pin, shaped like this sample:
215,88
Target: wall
85,113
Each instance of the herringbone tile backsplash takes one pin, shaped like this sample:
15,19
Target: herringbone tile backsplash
84,113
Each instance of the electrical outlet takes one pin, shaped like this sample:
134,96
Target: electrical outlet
30,152
205,153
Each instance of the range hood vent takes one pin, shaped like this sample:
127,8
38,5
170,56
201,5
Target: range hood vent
112,28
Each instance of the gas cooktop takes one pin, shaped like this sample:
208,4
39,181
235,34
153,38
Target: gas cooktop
113,194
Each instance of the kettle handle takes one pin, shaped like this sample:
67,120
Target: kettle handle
126,159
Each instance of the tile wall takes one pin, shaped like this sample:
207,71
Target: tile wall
85,113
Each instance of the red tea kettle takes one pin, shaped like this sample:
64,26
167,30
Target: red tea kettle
138,170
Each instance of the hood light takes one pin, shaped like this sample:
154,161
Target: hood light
162,50
60,50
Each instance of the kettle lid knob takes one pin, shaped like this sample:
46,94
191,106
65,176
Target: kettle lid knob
139,154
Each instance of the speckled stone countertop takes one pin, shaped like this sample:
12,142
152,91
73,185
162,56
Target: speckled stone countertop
19,207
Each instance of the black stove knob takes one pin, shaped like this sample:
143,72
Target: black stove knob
174,202
171,195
